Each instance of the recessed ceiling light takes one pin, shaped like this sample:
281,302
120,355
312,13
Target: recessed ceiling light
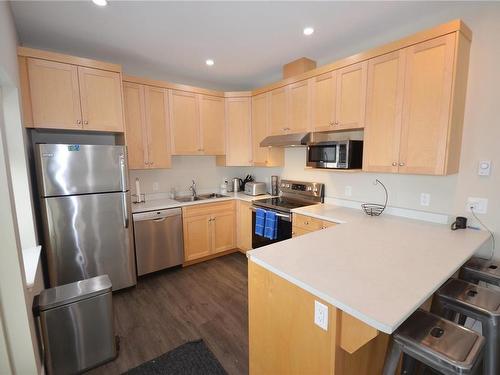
308,31
101,3
210,62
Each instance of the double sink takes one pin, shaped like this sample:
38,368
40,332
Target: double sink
200,197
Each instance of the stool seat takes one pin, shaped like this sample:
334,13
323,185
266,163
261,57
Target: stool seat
436,342
477,269
470,297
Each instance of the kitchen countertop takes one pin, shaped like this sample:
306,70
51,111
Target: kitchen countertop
377,269
163,203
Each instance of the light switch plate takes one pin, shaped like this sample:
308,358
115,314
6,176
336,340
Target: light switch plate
321,315
348,191
484,168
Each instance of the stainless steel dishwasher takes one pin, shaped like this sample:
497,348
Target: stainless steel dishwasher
158,240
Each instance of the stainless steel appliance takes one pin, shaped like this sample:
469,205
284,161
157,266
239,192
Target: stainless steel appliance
158,240
293,194
255,188
237,182
85,203
77,325
346,154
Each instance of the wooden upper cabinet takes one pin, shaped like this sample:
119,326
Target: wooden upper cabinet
279,111
260,120
383,112
212,119
351,96
323,91
146,126
184,123
263,156
101,99
135,125
238,132
426,106
55,95
300,105
158,129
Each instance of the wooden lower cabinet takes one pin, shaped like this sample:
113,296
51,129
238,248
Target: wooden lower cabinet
303,224
283,338
197,237
208,229
244,226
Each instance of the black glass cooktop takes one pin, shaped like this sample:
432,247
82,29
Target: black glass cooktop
282,204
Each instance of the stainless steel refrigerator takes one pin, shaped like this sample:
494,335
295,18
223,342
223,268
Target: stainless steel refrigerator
85,203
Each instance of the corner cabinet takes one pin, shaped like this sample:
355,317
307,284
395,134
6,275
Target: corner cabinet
197,123
238,133
147,130
415,108
66,96
208,229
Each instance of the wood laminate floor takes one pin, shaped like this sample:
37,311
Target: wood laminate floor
207,300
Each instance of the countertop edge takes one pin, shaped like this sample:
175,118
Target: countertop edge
358,315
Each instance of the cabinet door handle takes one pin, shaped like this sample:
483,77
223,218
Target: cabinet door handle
394,163
79,122
85,122
401,164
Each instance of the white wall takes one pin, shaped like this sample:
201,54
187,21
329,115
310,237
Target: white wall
16,227
202,169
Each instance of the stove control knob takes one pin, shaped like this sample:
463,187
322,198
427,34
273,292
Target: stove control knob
309,188
282,185
315,190
287,185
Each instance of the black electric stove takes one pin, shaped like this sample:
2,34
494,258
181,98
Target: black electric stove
293,194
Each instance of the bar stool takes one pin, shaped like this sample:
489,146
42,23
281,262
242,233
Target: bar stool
477,269
438,343
476,302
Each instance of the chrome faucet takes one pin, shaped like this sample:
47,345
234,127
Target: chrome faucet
193,189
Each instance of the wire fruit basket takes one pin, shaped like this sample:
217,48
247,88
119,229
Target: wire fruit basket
374,209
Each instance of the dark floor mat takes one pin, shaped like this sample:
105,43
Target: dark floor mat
192,358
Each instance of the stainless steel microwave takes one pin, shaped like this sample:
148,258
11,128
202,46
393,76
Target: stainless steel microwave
335,154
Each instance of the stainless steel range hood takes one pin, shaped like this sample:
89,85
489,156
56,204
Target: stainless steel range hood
286,140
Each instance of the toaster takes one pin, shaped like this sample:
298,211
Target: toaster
255,188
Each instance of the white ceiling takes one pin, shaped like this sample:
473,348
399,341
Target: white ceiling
249,41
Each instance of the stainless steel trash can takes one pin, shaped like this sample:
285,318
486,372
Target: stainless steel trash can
77,325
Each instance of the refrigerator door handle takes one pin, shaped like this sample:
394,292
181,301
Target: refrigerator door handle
125,209
123,173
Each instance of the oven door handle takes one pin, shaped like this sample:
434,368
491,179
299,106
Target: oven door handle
287,217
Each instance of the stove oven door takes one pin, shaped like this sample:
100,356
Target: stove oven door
284,230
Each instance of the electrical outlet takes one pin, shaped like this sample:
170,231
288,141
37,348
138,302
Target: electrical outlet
348,191
425,199
479,205
321,315
156,186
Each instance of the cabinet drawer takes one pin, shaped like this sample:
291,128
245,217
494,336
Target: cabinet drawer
298,231
208,208
307,222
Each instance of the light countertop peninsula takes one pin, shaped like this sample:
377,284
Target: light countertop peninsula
377,269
